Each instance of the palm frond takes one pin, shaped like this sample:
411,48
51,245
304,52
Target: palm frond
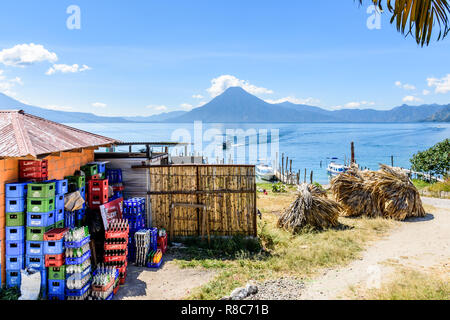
418,17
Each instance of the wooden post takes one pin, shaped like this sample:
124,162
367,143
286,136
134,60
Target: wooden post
353,152
311,177
392,161
282,167
298,177
286,170
290,172
305,176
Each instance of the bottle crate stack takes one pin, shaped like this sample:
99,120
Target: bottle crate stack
55,262
41,218
78,264
74,219
97,193
134,212
154,256
116,240
33,170
15,207
114,177
105,282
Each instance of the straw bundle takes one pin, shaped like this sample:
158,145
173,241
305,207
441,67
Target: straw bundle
315,190
310,210
355,195
400,196
387,192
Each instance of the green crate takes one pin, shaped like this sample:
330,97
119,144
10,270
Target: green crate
102,176
15,219
90,169
59,224
40,205
79,181
37,233
57,273
41,190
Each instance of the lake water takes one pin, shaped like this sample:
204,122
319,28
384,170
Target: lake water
308,144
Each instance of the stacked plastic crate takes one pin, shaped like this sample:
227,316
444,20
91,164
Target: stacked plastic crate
97,193
61,188
33,170
40,219
75,183
54,262
78,263
134,212
116,240
15,206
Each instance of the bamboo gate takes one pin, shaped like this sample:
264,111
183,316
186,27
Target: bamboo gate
203,200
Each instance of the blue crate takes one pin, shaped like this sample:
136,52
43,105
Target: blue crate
54,247
60,297
77,244
155,265
78,292
59,215
83,192
62,186
114,175
101,166
15,262
40,219
16,190
56,287
35,248
59,201
15,233
81,275
44,274
15,248
13,278
15,205
80,260
36,262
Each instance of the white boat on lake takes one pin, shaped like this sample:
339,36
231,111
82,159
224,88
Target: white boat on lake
265,172
335,168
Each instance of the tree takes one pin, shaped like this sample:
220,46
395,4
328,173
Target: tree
435,160
418,17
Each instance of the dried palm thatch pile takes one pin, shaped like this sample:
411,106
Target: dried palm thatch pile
385,193
315,190
310,210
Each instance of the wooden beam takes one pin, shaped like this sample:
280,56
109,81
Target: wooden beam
200,192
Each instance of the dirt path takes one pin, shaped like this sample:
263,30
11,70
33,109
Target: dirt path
167,283
418,243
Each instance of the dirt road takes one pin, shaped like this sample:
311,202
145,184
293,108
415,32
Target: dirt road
417,243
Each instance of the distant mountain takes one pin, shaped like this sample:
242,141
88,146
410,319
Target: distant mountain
440,116
157,117
8,103
237,105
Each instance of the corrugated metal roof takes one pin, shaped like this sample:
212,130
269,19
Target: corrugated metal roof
23,135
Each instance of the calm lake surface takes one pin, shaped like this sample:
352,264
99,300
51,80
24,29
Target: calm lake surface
307,144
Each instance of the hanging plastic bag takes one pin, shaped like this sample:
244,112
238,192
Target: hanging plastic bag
31,284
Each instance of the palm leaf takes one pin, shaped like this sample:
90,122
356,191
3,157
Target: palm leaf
422,15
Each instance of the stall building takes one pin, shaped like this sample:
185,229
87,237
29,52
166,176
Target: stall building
24,136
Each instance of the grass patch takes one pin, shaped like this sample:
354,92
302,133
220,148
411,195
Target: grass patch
433,187
410,284
278,253
420,184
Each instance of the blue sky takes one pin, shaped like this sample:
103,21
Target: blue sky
146,57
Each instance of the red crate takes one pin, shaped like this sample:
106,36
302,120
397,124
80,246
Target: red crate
98,187
122,279
34,174
56,260
118,188
93,177
115,246
95,201
33,169
115,258
33,163
55,234
119,235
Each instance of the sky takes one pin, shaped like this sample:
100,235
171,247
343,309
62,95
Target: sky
144,57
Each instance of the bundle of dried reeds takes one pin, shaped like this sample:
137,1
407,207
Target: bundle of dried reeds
315,190
310,210
400,197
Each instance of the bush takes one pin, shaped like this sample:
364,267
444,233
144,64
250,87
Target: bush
435,160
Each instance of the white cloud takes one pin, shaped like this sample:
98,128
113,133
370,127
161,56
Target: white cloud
222,83
65,68
22,55
405,86
355,105
197,96
99,105
308,101
411,99
160,108
426,92
442,85
60,108
187,106
7,85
